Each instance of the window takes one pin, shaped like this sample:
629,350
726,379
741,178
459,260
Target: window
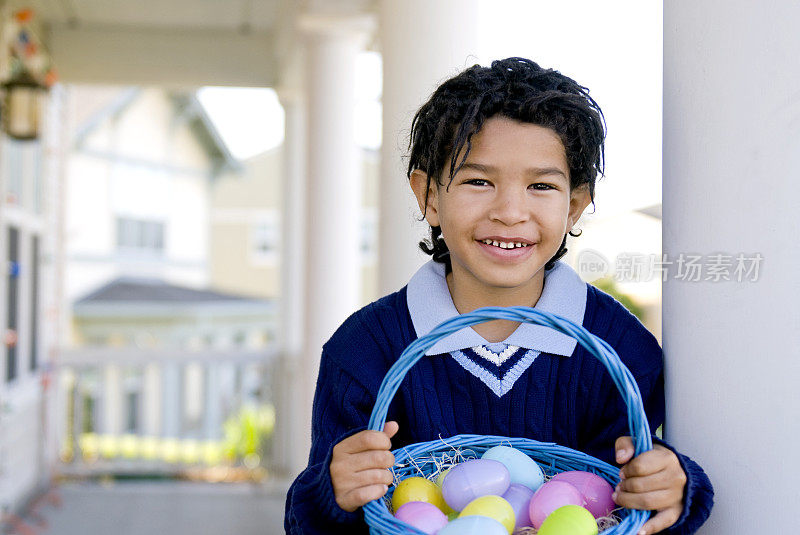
132,412
266,239
141,235
88,413
35,256
11,310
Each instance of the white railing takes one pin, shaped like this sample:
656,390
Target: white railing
162,412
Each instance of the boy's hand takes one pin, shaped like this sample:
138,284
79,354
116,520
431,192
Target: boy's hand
652,481
359,467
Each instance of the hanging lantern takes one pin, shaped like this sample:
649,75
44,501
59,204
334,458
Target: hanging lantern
24,97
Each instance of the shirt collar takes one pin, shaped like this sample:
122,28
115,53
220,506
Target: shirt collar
430,303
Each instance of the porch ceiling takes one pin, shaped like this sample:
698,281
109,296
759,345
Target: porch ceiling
178,42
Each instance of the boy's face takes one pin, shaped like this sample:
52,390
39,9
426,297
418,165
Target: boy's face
514,187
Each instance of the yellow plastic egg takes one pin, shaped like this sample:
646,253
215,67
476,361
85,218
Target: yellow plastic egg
418,489
569,520
494,507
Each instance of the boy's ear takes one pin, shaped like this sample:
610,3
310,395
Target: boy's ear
419,183
579,199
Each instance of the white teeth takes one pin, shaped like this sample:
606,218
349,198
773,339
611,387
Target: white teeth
505,245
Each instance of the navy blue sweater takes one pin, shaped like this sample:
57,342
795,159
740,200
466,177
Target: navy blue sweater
571,401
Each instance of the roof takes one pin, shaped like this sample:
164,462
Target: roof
141,290
187,105
205,131
149,298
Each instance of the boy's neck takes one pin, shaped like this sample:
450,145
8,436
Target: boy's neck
469,295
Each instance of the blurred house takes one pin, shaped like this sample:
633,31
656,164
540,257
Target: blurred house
158,356
246,226
160,360
138,182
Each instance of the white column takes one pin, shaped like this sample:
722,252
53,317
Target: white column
422,43
212,411
731,160
332,273
112,399
152,399
289,428
171,397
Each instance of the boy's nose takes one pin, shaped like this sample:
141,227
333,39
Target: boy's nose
509,208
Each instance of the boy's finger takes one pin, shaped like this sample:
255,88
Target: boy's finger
391,428
661,521
361,495
647,501
645,464
366,460
366,441
372,476
624,449
658,481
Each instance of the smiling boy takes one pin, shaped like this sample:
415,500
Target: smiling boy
503,164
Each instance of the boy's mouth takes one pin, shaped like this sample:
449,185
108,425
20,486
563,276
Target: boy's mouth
505,244
506,251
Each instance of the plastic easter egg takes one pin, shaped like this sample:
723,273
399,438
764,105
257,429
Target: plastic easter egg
519,496
523,469
569,520
473,479
473,525
417,489
596,491
441,476
424,516
492,507
439,481
551,496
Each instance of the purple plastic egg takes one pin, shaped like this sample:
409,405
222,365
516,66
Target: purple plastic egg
519,496
551,496
473,479
424,516
595,490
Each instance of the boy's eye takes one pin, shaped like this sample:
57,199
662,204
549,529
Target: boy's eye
476,181
542,186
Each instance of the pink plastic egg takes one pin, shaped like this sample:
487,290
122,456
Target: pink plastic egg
551,496
519,496
424,516
595,490
473,479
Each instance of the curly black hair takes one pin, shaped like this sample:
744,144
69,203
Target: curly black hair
516,88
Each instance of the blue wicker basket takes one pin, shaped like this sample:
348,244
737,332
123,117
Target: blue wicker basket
420,458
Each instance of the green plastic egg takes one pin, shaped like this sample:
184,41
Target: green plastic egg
569,520
441,476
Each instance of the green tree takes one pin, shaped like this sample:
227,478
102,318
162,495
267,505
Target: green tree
608,285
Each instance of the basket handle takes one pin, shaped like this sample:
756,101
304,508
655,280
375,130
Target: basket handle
626,384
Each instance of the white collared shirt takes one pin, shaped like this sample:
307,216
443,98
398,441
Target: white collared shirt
430,303
497,365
